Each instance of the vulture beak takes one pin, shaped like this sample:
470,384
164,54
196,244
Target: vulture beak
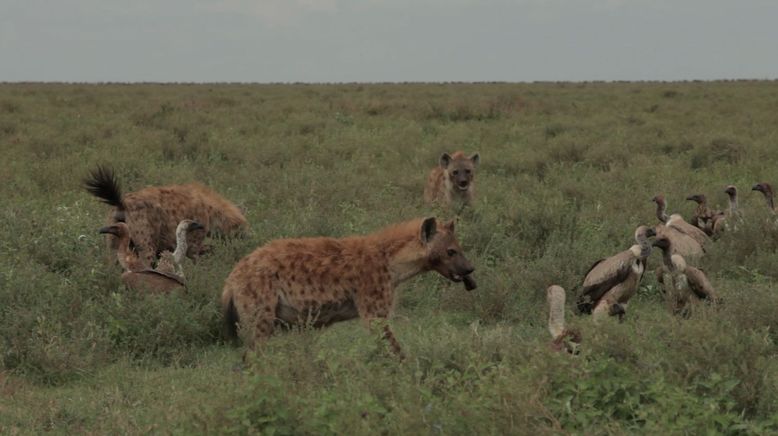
691,198
195,226
756,187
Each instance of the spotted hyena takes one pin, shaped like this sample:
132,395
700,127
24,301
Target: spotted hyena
152,214
320,281
452,179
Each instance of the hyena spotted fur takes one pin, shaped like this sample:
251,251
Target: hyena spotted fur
152,214
452,180
320,281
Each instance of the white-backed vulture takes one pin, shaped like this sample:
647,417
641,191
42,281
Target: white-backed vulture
732,217
688,241
767,190
170,263
611,282
136,276
563,338
683,284
704,218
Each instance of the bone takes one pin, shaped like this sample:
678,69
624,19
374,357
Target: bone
469,282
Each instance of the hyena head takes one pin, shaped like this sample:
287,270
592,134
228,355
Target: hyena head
444,254
460,169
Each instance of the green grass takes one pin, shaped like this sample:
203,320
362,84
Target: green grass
568,171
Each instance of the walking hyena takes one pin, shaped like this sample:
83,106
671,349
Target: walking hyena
452,179
152,214
321,281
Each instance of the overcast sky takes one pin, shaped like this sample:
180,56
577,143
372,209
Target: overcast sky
386,40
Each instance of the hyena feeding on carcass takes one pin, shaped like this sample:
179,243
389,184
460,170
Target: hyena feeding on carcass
152,214
320,281
452,180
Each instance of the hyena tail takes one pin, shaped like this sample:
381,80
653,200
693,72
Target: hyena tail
103,184
230,318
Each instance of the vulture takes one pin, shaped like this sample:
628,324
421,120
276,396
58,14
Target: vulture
170,263
731,217
562,337
682,283
767,190
704,218
688,241
136,275
611,282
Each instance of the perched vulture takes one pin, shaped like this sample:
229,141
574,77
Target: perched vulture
682,283
688,241
767,190
704,218
611,282
136,276
170,263
562,337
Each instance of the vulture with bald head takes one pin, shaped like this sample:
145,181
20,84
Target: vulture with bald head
732,217
136,275
611,282
688,241
704,218
170,263
767,190
683,284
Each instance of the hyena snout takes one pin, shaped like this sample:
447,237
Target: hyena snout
462,181
460,268
466,269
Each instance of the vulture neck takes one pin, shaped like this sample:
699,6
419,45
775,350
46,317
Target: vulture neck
556,315
181,247
643,248
661,212
702,208
733,204
769,197
667,259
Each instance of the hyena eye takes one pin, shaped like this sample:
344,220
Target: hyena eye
451,252
456,172
467,172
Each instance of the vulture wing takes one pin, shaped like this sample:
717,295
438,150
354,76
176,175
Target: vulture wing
682,243
677,222
151,280
165,264
602,277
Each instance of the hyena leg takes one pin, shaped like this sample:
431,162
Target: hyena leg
256,305
393,343
376,311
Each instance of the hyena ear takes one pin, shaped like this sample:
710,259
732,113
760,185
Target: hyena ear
445,159
449,226
475,159
428,229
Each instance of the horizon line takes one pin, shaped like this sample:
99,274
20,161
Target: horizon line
403,82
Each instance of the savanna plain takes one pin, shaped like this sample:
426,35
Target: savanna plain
567,173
